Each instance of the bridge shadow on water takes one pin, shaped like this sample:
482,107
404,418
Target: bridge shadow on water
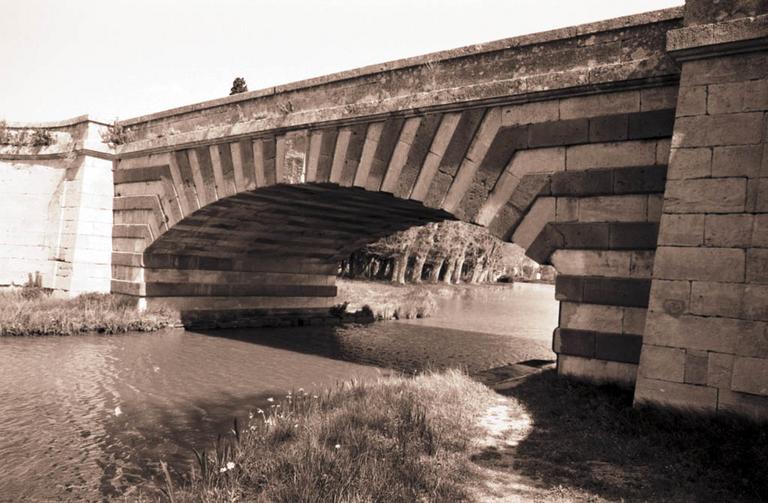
398,346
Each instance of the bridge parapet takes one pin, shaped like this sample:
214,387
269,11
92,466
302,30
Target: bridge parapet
626,52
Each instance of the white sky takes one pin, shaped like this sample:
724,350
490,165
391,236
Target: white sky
124,58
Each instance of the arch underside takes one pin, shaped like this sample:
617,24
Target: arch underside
254,228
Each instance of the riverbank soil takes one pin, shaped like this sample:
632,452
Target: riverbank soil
559,440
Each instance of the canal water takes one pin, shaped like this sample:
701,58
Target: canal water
85,418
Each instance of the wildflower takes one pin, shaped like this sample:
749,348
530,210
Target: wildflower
296,425
250,415
337,446
315,396
118,411
270,399
222,470
230,465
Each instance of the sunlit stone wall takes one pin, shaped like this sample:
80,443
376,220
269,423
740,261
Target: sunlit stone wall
56,209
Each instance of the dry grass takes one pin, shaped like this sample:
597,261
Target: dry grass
389,301
398,439
39,314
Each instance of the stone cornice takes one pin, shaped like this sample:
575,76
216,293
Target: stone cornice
740,35
339,116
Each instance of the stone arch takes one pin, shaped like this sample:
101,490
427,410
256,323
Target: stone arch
259,222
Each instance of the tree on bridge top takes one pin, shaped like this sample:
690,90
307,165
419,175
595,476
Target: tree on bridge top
238,86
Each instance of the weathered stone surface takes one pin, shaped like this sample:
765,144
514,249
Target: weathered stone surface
692,101
733,68
594,370
696,364
530,113
659,98
721,195
754,406
634,321
681,230
563,132
656,124
542,212
700,333
591,317
606,291
706,264
600,104
592,263
675,394
632,208
728,230
664,363
685,163
719,370
741,160
757,265
755,306
750,375
618,347
609,155
609,128
717,299
575,342
713,130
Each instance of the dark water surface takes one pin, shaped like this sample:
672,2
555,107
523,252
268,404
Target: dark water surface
83,418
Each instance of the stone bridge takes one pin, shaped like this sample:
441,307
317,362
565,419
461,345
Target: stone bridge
630,154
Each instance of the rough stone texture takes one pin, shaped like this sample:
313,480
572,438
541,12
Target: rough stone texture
750,375
707,298
675,394
56,229
667,364
596,370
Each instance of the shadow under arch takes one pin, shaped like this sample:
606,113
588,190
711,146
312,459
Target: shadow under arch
269,253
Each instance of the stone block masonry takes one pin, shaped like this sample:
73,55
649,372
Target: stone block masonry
706,337
631,154
56,207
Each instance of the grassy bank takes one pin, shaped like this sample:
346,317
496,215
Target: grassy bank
411,300
34,313
444,437
399,439
388,300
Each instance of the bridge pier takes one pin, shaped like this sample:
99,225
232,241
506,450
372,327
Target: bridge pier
706,338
